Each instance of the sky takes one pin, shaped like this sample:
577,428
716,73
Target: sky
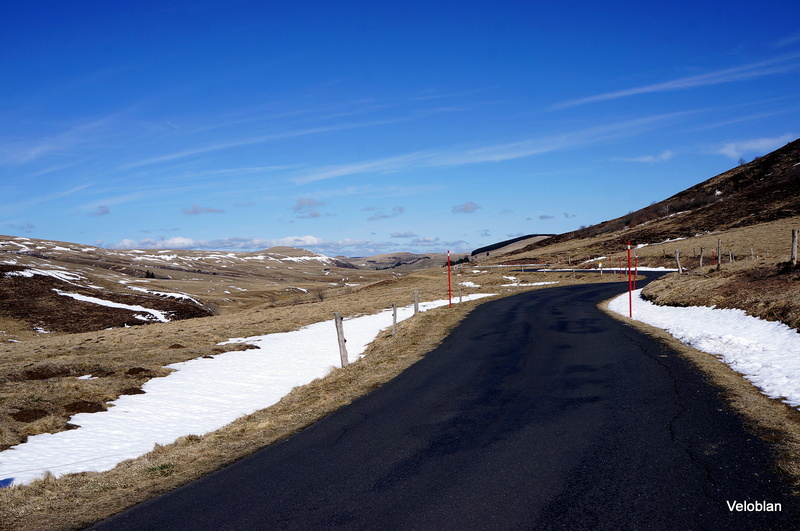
358,128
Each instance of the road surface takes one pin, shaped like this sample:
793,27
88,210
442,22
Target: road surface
538,412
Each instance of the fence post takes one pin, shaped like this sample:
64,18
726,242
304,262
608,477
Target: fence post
630,284
719,254
416,302
337,318
678,260
794,247
449,282
394,318
702,250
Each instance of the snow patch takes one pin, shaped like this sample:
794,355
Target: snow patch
767,353
201,396
154,314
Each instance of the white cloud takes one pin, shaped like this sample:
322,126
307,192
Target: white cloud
233,243
760,146
345,246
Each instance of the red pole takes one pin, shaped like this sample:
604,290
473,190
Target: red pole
449,283
630,284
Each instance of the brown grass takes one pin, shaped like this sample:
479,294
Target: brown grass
76,500
767,291
763,243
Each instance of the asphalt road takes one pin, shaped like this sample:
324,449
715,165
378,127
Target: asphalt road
537,412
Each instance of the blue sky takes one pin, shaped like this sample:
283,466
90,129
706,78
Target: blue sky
358,128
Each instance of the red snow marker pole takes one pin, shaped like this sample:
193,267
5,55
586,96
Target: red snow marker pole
449,283
630,284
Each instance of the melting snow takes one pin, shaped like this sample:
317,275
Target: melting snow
766,353
202,395
158,315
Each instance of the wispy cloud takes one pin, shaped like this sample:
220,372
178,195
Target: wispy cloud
23,152
662,157
233,243
34,201
249,141
737,150
101,210
491,153
787,41
403,235
777,65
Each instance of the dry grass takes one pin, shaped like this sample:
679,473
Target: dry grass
77,500
772,420
767,291
763,243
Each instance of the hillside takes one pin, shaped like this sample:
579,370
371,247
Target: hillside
56,287
400,262
746,215
764,190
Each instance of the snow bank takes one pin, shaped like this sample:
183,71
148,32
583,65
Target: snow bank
156,314
766,353
201,396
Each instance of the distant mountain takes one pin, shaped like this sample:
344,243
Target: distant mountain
507,246
401,261
49,286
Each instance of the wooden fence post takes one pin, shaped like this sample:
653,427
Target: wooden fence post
794,247
337,318
719,254
394,318
416,302
678,260
702,250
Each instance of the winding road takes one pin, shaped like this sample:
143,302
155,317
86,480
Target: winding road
539,411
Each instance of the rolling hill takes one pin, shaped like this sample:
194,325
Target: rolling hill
58,287
766,190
